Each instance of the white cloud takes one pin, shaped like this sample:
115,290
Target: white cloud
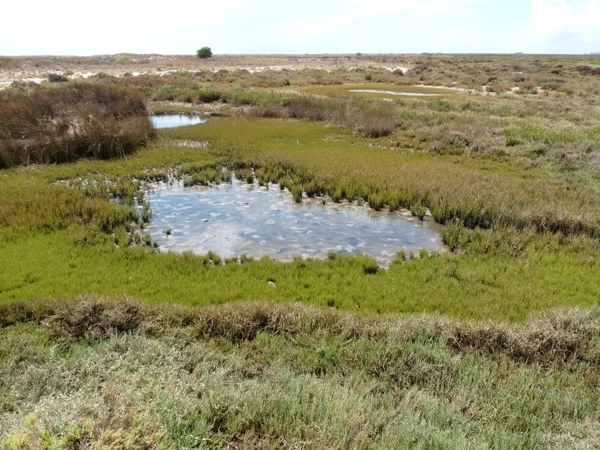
31,14
550,19
312,27
417,7
591,21
71,27
560,20
349,17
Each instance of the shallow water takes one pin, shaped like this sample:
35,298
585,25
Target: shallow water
175,120
412,94
233,219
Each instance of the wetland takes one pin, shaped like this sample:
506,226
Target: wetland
235,218
272,323
175,120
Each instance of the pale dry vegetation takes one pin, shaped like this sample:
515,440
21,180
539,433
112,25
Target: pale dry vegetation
92,372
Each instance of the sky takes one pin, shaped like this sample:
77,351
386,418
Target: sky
72,27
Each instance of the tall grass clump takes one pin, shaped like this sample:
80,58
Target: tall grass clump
204,174
69,122
371,118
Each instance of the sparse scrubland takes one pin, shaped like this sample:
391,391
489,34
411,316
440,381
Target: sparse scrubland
107,342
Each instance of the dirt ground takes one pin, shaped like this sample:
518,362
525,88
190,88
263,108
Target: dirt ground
37,68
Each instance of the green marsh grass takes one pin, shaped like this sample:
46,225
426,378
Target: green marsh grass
521,262
497,345
336,163
346,89
55,237
462,122
369,118
204,174
501,283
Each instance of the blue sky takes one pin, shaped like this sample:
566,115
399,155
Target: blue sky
72,27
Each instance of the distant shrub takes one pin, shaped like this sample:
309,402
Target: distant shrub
587,70
268,111
23,84
373,119
57,78
102,75
204,52
210,96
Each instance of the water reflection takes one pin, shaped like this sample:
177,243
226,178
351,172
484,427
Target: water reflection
237,218
175,120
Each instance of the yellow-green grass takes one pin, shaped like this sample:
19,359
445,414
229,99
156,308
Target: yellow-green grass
477,191
57,241
558,134
54,266
37,198
557,128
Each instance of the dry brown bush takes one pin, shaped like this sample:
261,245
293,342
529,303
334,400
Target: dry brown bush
267,111
373,119
559,336
49,125
587,70
562,336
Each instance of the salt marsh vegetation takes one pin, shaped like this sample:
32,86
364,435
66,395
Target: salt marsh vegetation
108,341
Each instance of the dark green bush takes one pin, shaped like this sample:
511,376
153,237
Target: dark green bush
204,52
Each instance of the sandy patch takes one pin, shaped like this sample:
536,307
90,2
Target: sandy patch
25,68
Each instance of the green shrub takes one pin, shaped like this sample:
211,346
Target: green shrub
204,52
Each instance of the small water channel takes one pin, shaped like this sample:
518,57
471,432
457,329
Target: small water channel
238,218
175,120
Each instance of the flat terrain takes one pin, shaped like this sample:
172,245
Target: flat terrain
108,341
37,68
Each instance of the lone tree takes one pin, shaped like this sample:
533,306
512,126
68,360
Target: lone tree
204,52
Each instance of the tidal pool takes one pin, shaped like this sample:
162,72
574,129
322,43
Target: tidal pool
238,218
412,94
175,120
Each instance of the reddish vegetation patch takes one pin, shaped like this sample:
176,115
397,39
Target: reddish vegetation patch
59,124
587,70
